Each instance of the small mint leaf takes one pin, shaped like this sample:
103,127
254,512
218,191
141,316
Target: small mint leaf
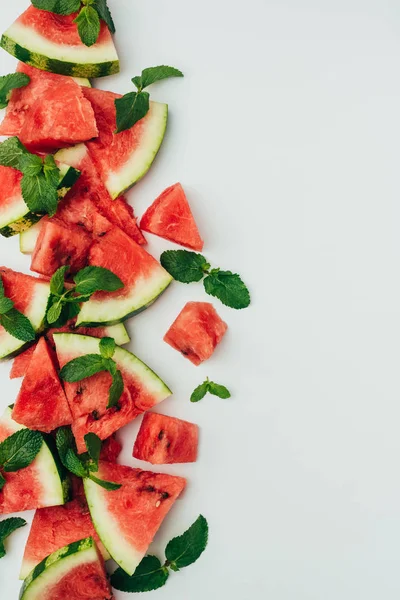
183,265
227,287
105,14
39,194
93,445
51,171
107,485
57,286
153,74
107,347
218,390
149,576
184,550
5,305
11,152
96,279
17,325
199,393
82,367
8,83
31,165
7,527
73,464
59,7
130,109
116,389
19,450
54,312
88,23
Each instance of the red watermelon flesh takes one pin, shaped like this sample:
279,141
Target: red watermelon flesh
59,245
10,182
55,527
111,449
166,440
23,99
41,403
170,217
197,331
134,512
21,363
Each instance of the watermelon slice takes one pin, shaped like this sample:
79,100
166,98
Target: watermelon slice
56,527
90,196
41,403
143,277
197,331
123,158
58,245
21,363
75,572
30,296
170,217
15,216
165,440
23,99
128,518
88,399
41,484
51,42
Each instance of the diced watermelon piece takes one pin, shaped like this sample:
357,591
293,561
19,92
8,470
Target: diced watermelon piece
59,245
55,527
23,99
21,363
41,403
88,399
165,440
196,332
110,449
123,158
128,518
170,217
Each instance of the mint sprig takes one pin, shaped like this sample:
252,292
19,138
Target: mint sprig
189,267
135,105
88,18
13,321
7,527
83,465
11,82
209,387
181,552
19,450
65,301
88,365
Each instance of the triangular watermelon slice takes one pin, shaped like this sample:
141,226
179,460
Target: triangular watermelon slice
41,403
124,158
128,519
51,42
30,296
23,99
143,277
170,217
88,399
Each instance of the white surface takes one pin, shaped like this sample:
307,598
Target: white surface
285,134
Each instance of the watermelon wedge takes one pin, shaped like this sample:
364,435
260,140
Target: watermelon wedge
143,277
127,519
124,158
21,363
75,572
41,484
165,440
196,332
170,217
51,42
41,403
55,527
30,296
88,399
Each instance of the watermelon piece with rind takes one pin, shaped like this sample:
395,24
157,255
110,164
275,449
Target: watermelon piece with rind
128,519
21,362
171,218
51,42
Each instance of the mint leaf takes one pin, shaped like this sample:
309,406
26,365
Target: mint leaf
130,109
88,22
184,266
184,550
227,287
11,152
82,367
153,74
59,7
17,325
116,389
96,279
105,14
107,347
51,171
30,164
93,445
2,482
73,464
57,286
54,312
199,393
107,485
7,527
149,575
39,194
64,441
5,305
218,390
9,83
19,450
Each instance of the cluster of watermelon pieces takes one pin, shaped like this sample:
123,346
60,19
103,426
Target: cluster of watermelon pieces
59,112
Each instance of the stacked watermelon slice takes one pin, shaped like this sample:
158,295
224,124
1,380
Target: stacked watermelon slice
79,525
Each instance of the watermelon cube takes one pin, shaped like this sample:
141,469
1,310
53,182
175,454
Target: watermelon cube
170,217
41,403
196,332
166,440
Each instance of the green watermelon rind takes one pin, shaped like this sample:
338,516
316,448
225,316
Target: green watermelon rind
54,567
54,65
23,219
